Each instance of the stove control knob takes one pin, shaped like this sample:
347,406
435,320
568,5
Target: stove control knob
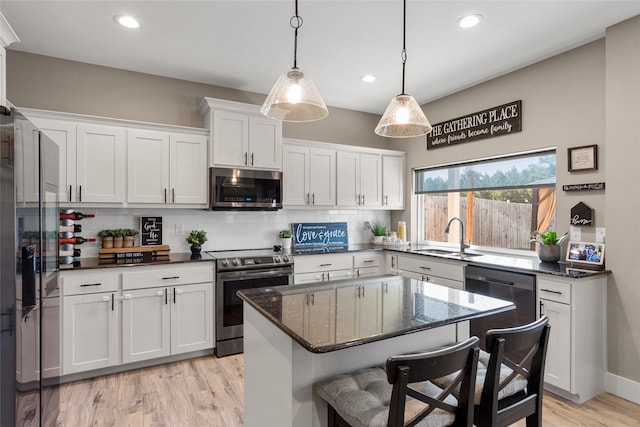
225,263
235,262
258,260
276,259
285,258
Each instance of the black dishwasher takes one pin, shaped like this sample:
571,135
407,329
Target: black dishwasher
518,288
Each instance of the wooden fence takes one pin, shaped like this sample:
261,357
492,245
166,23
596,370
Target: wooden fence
495,223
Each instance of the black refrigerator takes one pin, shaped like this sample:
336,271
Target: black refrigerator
30,358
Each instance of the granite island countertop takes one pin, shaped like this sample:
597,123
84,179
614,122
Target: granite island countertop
404,306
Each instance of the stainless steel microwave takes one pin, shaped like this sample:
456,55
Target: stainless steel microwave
245,189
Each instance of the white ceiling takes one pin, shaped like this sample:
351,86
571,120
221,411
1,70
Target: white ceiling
247,44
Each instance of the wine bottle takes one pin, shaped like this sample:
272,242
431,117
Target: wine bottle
76,240
70,214
69,252
74,228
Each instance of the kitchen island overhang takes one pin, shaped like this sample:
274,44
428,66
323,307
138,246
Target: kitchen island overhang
296,336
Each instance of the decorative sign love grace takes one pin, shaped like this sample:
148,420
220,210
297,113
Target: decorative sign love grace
501,120
581,214
320,234
150,230
584,187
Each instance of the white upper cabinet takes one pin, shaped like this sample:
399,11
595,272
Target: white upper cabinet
101,163
359,179
241,136
7,36
167,168
393,182
309,175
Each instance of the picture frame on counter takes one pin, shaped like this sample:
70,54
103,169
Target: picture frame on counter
584,158
585,253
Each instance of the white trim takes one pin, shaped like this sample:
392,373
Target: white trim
342,147
622,387
208,104
7,35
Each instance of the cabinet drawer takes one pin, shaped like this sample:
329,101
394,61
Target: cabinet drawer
151,277
553,290
316,276
429,266
314,263
368,259
89,282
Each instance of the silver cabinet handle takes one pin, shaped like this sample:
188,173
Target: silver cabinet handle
386,200
307,198
170,277
173,195
70,192
425,268
251,159
551,291
363,292
165,195
246,158
313,198
80,197
84,285
363,200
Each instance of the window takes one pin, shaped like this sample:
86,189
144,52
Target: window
501,201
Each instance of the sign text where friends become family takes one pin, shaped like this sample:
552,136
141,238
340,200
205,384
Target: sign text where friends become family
501,120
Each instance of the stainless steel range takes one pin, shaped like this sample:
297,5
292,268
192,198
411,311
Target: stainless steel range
238,270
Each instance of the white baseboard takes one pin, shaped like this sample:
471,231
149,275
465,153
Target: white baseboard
623,387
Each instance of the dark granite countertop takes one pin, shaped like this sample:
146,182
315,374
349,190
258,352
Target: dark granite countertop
406,306
173,258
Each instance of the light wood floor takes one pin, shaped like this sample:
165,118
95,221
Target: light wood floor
209,392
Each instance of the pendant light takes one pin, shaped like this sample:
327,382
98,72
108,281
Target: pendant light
294,97
403,118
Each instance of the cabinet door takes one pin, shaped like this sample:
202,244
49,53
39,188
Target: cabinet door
89,332
191,317
101,163
295,175
370,310
188,169
558,367
393,182
293,313
392,307
322,177
64,134
27,185
322,322
27,345
146,331
371,179
50,354
265,143
347,178
147,166
230,135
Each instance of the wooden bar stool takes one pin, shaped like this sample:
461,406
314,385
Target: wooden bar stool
404,394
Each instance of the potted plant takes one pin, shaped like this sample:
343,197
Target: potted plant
107,238
196,238
129,234
379,230
285,238
118,238
548,245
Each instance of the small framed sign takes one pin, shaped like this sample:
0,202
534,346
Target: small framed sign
150,230
583,158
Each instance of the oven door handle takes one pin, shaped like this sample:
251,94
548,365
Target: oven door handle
252,274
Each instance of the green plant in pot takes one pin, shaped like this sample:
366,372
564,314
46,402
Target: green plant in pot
379,230
285,238
548,245
107,238
196,238
129,234
118,237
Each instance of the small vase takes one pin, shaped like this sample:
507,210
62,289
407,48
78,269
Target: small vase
378,239
286,243
107,242
195,249
118,241
128,241
549,253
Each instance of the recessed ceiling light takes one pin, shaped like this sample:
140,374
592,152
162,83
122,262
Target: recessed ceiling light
127,21
368,78
469,21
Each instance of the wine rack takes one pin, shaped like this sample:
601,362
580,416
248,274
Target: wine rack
68,239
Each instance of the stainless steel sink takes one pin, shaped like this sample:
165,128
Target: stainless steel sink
445,252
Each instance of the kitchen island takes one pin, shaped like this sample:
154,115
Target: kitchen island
295,336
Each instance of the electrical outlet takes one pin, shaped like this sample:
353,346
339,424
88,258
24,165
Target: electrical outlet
575,234
367,225
179,229
600,234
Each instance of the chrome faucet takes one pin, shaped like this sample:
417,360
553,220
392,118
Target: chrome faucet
446,230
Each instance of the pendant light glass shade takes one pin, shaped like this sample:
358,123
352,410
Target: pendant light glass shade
403,118
294,98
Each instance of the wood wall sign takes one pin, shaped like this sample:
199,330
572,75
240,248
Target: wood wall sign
583,158
582,214
584,187
150,230
501,120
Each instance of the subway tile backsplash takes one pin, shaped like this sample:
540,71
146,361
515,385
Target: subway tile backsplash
225,230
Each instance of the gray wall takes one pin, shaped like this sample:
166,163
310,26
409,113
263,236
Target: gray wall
37,81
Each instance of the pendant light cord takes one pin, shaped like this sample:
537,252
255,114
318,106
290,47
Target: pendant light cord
296,22
404,41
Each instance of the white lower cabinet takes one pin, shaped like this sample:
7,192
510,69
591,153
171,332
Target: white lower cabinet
358,312
316,326
392,306
325,267
90,338
575,365
429,269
